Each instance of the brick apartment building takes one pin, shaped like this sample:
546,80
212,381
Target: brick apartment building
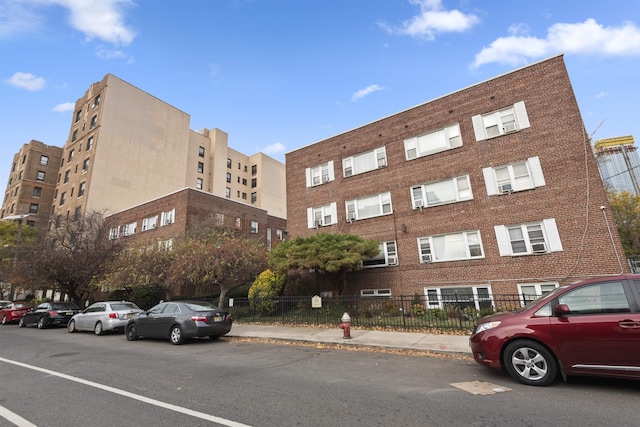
31,184
492,189
161,221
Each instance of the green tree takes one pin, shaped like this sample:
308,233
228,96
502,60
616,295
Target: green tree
326,253
625,208
267,286
14,239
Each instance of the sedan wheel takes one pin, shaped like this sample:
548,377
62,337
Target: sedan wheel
41,324
21,323
71,326
131,332
4,319
530,363
176,336
98,329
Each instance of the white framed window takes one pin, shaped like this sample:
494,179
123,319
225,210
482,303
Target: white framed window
150,223
85,165
478,297
387,256
94,122
369,207
82,188
166,245
219,219
375,292
364,162
129,229
114,233
321,216
199,183
167,217
441,192
527,239
517,176
44,160
238,222
433,142
450,247
531,291
227,192
279,234
40,176
501,122
89,143
254,227
320,174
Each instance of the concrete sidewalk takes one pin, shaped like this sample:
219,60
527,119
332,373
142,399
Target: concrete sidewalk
446,344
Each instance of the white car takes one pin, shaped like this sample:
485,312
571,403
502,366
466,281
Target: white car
101,317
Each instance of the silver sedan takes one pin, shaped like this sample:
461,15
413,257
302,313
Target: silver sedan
103,316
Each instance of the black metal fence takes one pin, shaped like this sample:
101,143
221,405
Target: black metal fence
450,313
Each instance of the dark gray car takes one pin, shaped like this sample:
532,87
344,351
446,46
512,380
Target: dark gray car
179,320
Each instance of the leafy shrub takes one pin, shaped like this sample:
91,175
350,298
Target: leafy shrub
418,309
266,286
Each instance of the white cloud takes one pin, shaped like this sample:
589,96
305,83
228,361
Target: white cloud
274,148
96,19
602,95
366,91
26,81
65,106
585,38
432,20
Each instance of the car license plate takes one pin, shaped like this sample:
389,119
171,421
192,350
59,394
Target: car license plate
217,318
69,313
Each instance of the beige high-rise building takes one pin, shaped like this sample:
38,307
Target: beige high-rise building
126,147
31,184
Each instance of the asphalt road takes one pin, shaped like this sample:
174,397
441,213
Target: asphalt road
53,378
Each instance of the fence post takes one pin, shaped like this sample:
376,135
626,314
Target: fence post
404,318
459,311
282,308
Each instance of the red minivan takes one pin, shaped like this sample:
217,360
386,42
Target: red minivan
590,327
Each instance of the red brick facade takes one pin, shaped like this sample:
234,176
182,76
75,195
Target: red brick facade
571,192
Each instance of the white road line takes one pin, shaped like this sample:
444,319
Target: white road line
14,418
114,390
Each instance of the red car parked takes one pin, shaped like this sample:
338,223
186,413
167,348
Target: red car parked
590,327
12,312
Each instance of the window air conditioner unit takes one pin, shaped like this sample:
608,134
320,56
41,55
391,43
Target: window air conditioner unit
505,188
426,258
382,163
348,172
392,260
419,204
510,127
318,223
325,178
316,180
539,248
351,216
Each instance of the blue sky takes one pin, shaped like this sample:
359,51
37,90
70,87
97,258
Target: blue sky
281,74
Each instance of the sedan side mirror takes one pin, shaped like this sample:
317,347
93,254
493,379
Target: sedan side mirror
561,310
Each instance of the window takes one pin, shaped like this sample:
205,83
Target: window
478,297
254,227
375,292
37,191
527,239
168,217
244,196
320,174
254,169
369,207
85,165
245,168
254,197
321,216
388,255
89,143
71,153
20,176
77,212
200,167
219,219
201,151
229,163
33,208
81,189
227,192
96,101
44,160
199,183
279,234
67,174
63,197
114,233
78,116
364,162
239,166
514,177
450,247
244,181
238,222
94,122
530,291
439,193
238,182
228,177
433,142
129,229
598,298
254,182
497,123
75,135
150,223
